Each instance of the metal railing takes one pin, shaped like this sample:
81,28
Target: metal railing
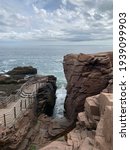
8,119
22,101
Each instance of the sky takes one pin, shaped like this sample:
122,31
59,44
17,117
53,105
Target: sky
56,21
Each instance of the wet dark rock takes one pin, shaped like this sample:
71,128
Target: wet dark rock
27,70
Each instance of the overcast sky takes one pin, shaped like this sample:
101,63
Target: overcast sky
56,20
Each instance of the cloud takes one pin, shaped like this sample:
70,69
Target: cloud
66,20
12,21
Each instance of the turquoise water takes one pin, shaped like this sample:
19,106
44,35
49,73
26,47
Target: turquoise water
47,59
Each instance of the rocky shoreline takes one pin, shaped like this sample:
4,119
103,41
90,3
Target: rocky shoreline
12,80
87,124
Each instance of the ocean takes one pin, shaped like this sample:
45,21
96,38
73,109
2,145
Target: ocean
48,61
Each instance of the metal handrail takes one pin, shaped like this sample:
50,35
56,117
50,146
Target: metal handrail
21,105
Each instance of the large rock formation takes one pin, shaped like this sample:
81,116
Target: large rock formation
27,70
94,129
20,134
46,95
95,124
86,75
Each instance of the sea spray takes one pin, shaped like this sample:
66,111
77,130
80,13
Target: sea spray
60,94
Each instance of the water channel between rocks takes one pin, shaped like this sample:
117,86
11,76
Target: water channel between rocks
59,105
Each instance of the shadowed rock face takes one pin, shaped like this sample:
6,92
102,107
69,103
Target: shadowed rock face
46,95
86,75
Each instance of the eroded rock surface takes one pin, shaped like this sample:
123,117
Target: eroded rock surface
90,133
46,94
86,75
48,129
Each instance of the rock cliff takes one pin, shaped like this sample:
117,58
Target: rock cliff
89,102
86,75
19,134
46,95
94,128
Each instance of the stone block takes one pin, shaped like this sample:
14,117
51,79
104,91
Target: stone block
104,100
83,119
108,124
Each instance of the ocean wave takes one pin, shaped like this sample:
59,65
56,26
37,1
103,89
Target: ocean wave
59,106
12,60
61,84
58,61
3,71
5,62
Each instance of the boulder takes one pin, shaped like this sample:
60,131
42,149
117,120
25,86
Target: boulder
92,112
83,119
86,75
104,131
27,70
92,106
59,126
105,99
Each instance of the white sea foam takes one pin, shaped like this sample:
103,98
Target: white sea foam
59,106
12,60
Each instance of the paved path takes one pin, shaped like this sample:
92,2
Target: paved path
16,108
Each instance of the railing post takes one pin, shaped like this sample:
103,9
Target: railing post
4,120
36,87
25,104
15,112
21,105
29,100
14,98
